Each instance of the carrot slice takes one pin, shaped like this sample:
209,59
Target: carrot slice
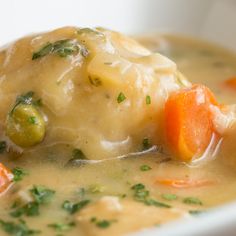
181,183
6,178
231,83
188,121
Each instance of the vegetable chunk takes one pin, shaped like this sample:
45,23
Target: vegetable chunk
6,178
188,121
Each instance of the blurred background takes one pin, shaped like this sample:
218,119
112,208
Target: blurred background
204,18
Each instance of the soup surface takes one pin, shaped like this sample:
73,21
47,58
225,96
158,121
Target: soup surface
57,190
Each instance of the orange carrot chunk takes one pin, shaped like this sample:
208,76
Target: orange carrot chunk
231,83
184,183
6,178
188,121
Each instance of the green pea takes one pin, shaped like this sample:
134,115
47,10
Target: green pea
25,126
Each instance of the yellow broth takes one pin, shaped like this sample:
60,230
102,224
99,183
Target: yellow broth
49,167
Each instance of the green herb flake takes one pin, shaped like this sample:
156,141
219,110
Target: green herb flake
141,194
62,48
77,154
121,97
32,120
192,201
42,194
195,212
145,168
138,187
146,144
103,224
3,146
25,98
17,229
45,50
18,173
169,197
148,100
74,207
152,202
29,209
60,227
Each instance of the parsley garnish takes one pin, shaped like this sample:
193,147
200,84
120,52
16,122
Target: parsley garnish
26,99
195,212
142,195
18,174
3,146
20,229
42,194
32,120
148,100
62,226
121,97
192,201
74,207
146,144
29,209
152,202
78,155
145,168
102,223
62,48
169,197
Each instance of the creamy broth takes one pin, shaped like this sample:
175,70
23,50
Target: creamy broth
110,186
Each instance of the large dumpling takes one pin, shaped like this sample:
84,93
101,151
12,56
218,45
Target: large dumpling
100,91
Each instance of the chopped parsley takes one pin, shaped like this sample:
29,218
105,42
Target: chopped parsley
148,100
62,48
152,202
18,173
60,227
32,120
74,207
17,229
27,99
141,194
146,144
102,223
3,146
121,97
42,194
169,196
77,154
145,168
192,201
195,212
29,209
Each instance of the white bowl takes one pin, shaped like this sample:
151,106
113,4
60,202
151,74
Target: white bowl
213,20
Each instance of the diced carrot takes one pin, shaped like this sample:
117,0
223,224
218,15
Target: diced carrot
184,183
6,178
231,83
188,121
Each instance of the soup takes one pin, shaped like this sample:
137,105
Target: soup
83,137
